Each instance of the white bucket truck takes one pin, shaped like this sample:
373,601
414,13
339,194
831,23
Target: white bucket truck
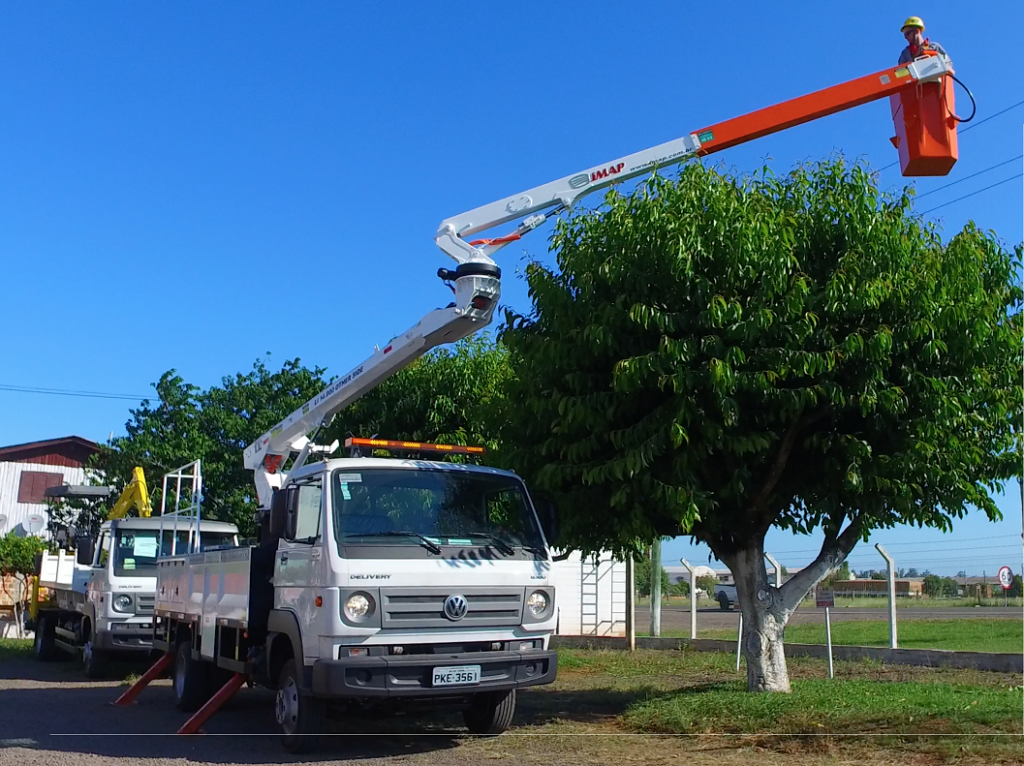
102,595
378,584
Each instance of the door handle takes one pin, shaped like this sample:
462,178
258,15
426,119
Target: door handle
284,558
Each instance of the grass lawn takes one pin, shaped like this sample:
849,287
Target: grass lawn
1002,636
701,694
11,648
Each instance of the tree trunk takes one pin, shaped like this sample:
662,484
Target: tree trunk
764,621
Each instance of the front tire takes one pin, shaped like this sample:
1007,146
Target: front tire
191,685
94,661
300,715
44,647
491,713
723,602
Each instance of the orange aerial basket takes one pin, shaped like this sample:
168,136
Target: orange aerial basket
924,115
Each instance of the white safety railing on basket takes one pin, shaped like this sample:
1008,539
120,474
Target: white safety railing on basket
188,509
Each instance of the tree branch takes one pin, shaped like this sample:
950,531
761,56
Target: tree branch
782,456
834,551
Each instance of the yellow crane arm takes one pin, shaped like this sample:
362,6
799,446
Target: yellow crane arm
135,495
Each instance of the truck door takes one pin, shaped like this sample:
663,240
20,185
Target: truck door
298,568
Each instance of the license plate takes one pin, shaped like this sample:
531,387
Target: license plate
454,676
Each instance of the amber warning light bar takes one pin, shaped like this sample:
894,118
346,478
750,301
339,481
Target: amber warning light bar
412,446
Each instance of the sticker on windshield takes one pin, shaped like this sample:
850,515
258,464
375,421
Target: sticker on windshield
345,493
351,478
145,547
459,541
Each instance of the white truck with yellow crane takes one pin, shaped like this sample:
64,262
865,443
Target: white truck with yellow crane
101,595
385,583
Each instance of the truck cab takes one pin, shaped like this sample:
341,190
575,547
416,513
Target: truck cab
103,599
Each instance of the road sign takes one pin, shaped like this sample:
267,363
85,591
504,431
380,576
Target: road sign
1006,577
826,598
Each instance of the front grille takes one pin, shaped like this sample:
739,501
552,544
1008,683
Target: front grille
145,604
413,608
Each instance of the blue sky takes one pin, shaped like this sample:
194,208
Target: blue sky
194,185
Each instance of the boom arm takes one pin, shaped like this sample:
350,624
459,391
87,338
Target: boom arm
135,495
452,233
477,278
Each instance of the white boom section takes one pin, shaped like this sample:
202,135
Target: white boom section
476,296
452,233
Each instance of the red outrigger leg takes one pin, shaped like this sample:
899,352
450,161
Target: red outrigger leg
136,688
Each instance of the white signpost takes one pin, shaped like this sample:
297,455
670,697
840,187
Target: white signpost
1006,580
826,599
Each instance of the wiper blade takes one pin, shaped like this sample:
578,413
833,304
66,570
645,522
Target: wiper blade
426,541
500,544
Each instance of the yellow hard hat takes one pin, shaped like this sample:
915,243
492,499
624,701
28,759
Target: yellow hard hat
913,21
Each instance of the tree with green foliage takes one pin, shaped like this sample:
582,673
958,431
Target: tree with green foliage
708,583
940,587
18,563
213,425
642,577
717,356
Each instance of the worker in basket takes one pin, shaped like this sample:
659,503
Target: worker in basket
917,43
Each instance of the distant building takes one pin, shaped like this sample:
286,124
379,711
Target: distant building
913,588
28,470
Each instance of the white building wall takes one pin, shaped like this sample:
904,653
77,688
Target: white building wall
591,600
10,480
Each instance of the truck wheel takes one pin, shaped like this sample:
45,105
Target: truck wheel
300,715
191,688
723,601
44,647
491,713
94,661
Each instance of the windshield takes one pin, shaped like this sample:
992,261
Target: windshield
135,550
445,507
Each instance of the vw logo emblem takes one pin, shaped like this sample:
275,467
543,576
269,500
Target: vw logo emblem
455,607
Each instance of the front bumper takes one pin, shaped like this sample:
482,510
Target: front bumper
410,675
125,637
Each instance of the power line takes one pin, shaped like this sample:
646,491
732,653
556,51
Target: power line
64,392
979,191
972,175
992,116
957,541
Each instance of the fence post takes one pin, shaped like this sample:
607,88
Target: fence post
778,569
693,597
630,604
892,594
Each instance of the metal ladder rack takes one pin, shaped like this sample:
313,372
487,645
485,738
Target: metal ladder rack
187,479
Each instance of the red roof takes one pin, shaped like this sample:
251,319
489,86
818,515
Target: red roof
67,451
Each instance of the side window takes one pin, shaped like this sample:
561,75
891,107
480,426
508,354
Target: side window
310,501
103,550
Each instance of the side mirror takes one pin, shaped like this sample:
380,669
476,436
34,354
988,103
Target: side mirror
549,521
284,513
85,547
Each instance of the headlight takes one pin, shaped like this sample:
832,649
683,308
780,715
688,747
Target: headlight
123,603
537,603
357,607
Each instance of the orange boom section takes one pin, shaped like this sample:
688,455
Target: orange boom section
926,131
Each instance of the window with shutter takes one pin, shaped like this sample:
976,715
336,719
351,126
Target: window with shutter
33,485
